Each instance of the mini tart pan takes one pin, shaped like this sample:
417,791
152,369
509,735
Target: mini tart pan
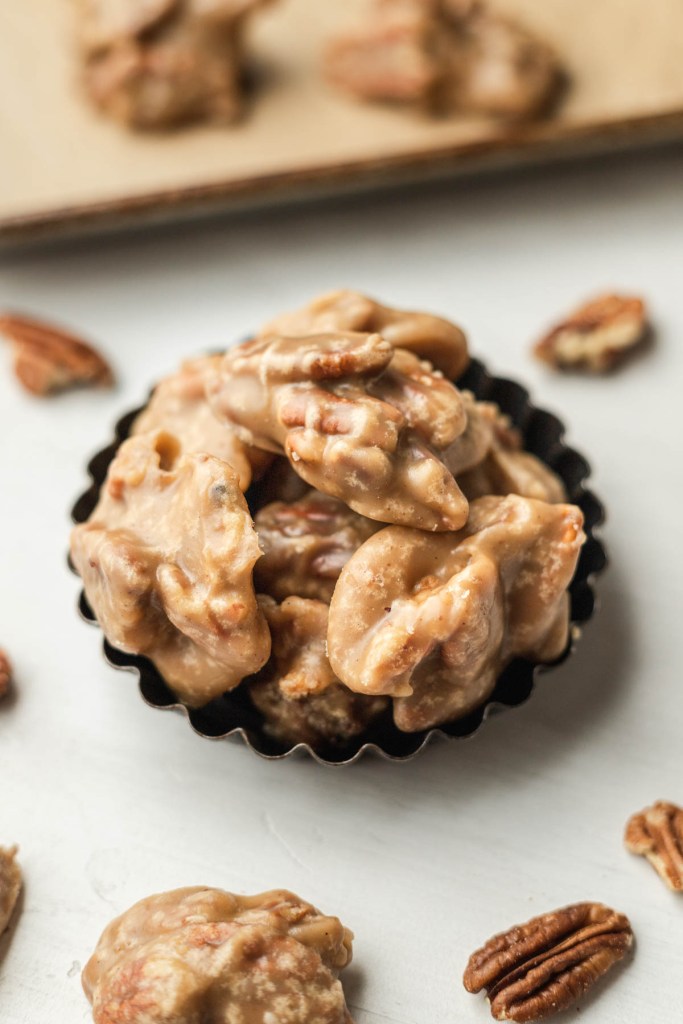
233,717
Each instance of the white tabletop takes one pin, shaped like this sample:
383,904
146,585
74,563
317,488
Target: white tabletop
110,800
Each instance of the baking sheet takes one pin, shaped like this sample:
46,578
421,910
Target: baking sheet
64,167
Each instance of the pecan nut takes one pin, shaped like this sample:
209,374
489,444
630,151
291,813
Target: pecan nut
427,336
306,544
357,419
541,967
432,619
505,467
48,359
5,674
298,630
10,884
167,560
657,833
596,336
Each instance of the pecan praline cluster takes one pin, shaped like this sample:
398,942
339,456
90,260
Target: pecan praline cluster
322,517
202,954
162,63
447,56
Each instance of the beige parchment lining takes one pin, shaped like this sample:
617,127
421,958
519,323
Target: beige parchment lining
63,163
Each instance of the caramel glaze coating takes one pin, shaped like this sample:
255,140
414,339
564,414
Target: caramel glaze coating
179,406
471,447
306,543
299,645
207,955
505,468
433,338
431,620
357,420
166,560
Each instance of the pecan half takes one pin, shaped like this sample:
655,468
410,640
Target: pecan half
541,967
298,629
167,561
505,467
306,544
48,359
426,336
10,884
357,420
5,674
596,336
657,833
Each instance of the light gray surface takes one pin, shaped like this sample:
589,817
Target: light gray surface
111,801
